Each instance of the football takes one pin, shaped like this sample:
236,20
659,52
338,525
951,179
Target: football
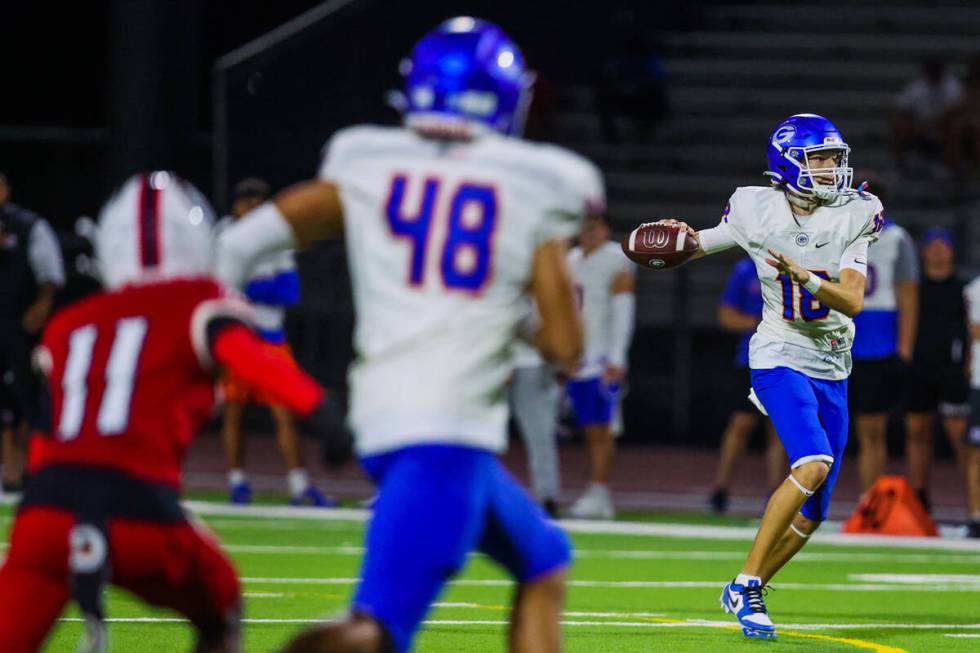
659,246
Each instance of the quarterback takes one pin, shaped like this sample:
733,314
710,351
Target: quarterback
808,234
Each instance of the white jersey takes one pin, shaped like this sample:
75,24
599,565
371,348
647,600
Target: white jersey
594,274
972,294
440,238
796,330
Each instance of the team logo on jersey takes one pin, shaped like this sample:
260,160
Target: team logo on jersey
802,240
784,134
655,239
656,263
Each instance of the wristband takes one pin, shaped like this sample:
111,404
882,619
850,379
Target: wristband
813,284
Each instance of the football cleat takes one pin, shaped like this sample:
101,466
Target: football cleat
745,601
595,503
241,494
718,502
313,498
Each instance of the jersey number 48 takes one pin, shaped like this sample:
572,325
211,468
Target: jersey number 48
465,260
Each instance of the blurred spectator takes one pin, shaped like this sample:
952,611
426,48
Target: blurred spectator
740,312
31,271
962,128
632,82
273,286
921,106
884,340
937,382
973,437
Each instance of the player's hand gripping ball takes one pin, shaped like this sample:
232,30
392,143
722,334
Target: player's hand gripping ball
660,245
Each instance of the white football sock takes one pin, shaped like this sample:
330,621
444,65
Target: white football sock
743,579
236,477
298,481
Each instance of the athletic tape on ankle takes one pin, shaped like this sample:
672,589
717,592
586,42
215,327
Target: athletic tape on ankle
800,487
793,528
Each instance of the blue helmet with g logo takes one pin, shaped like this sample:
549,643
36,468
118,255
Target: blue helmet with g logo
791,147
465,76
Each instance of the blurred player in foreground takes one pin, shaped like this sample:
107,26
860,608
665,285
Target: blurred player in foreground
972,457
883,343
131,373
740,312
605,284
450,223
800,355
273,286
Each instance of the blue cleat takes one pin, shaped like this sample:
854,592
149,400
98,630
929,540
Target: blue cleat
241,494
312,497
744,600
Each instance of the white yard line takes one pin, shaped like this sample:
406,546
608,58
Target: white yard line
691,623
647,584
601,527
651,554
918,579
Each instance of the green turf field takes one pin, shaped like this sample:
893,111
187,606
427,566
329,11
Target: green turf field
628,593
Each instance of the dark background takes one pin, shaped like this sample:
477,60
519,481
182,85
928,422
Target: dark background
92,92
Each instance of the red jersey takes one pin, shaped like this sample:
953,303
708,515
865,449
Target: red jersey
130,374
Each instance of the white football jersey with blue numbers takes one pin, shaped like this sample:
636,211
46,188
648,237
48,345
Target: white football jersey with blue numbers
440,238
594,274
796,330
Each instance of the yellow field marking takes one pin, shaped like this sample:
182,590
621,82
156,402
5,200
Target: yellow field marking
857,643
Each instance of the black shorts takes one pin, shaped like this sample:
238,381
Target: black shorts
876,386
740,395
941,388
17,382
973,430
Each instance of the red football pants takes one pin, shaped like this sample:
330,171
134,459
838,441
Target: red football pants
174,566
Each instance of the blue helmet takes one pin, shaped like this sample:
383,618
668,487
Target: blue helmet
790,146
467,75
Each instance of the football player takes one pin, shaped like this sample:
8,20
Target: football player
605,284
131,375
450,222
274,286
808,233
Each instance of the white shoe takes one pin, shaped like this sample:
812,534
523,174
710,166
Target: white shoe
595,503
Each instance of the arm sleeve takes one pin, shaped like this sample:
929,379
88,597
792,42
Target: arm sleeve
621,327
972,296
261,232
717,239
907,264
239,350
855,256
45,255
